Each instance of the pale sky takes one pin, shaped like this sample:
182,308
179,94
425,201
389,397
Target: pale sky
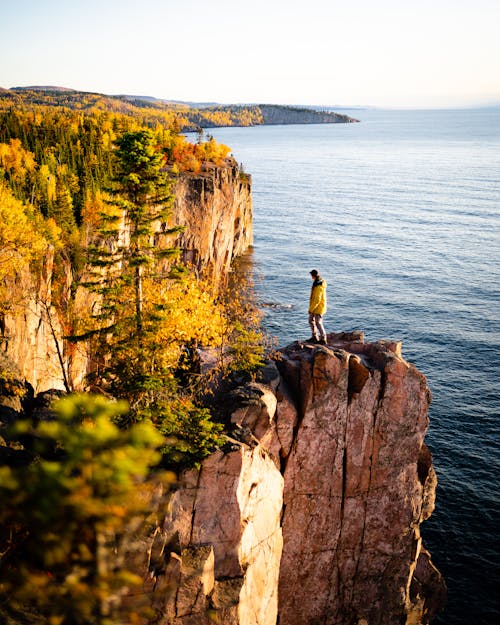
406,53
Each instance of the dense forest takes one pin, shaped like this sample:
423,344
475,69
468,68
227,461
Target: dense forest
58,159
147,111
72,180
184,116
76,173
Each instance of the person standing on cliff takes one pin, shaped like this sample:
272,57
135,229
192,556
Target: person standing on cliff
317,308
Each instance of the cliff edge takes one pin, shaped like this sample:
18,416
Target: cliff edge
312,514
215,209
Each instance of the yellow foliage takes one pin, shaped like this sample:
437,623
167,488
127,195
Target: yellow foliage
190,157
96,207
50,230
48,181
192,312
15,160
212,151
24,238
20,241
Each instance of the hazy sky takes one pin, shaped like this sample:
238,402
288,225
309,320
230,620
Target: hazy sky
377,52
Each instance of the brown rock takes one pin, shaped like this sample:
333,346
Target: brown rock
233,506
257,409
338,540
358,482
216,208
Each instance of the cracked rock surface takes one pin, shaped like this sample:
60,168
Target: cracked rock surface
358,482
314,519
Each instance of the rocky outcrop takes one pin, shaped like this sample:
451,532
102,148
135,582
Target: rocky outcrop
215,206
313,516
310,514
227,519
216,209
358,483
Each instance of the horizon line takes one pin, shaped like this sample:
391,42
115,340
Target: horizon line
470,105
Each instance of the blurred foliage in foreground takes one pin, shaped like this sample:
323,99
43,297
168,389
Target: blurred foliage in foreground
70,516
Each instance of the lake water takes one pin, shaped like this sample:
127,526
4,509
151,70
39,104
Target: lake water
401,215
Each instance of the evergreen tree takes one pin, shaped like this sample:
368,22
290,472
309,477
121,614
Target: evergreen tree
143,190
133,237
133,331
62,208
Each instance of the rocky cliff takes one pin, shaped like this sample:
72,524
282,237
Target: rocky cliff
215,207
312,514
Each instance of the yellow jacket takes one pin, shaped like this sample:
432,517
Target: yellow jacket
317,302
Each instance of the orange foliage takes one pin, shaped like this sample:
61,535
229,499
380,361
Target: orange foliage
190,157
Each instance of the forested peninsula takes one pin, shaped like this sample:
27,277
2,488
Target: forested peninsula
187,116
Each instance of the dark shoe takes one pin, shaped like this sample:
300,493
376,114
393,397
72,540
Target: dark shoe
321,342
311,340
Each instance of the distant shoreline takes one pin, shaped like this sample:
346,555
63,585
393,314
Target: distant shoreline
191,116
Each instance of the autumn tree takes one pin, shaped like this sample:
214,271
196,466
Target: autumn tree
17,165
71,512
21,240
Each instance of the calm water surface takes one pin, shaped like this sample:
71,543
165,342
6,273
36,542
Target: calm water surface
401,215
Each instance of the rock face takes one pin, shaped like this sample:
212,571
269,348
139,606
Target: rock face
216,208
358,483
313,518
219,546
31,334
273,114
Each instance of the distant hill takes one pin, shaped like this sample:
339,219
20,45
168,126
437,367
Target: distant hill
278,114
189,115
42,88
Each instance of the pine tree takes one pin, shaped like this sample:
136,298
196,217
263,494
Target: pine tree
143,190
132,245
133,237
133,332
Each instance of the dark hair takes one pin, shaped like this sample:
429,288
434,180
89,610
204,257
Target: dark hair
314,273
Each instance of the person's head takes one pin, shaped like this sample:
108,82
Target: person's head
314,274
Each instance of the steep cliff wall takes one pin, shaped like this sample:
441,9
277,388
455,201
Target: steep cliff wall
31,332
358,483
273,114
328,483
216,209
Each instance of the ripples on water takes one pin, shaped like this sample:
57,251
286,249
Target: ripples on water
400,214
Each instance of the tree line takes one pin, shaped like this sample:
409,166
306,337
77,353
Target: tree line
148,111
59,160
